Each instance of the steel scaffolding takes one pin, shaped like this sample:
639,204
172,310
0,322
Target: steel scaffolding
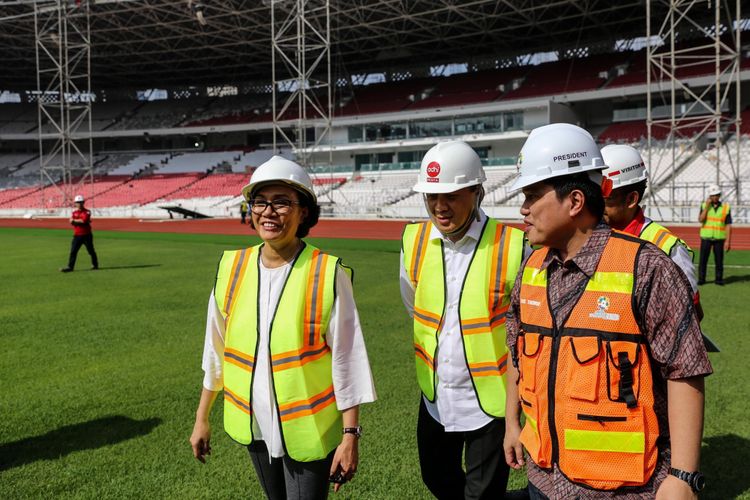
301,76
63,63
702,118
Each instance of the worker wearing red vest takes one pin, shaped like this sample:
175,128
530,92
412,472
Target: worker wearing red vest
607,352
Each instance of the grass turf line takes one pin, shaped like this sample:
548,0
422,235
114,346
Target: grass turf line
101,371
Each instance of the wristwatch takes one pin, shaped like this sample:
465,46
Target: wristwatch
357,431
696,480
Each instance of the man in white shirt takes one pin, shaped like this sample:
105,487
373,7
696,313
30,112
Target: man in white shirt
456,275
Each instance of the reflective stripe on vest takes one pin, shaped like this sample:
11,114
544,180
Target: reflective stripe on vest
661,237
484,300
715,225
300,358
586,386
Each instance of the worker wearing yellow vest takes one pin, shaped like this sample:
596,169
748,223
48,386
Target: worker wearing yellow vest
608,360
456,273
716,233
622,210
284,343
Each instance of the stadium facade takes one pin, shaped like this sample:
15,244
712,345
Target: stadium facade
181,104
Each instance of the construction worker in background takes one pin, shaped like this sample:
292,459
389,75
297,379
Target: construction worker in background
716,233
456,274
81,222
243,211
284,343
608,360
622,211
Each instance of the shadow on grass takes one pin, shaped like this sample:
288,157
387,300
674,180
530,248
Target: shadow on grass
724,460
82,436
138,266
736,279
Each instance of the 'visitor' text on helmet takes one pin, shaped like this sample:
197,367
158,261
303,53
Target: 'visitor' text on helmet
624,165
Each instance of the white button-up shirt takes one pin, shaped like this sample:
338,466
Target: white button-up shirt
456,405
352,378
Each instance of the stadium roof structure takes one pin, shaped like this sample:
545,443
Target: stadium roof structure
144,43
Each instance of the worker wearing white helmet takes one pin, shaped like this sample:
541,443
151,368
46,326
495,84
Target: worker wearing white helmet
456,274
622,210
283,330
80,219
716,233
601,327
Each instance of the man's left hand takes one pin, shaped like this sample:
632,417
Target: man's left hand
674,488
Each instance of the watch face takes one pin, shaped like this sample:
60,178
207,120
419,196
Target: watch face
699,481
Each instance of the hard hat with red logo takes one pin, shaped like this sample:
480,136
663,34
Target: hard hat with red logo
78,199
556,150
280,170
624,165
448,167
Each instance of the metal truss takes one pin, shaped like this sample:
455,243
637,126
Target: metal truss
709,115
301,75
63,60
147,43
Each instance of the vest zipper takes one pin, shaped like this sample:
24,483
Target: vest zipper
551,383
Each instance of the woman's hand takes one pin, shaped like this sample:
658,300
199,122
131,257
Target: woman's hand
345,459
201,440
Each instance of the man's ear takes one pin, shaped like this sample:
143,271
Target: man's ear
632,199
577,201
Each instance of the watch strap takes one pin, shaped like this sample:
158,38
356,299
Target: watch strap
357,431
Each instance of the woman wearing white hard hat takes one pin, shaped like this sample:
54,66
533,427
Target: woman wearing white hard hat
457,271
284,343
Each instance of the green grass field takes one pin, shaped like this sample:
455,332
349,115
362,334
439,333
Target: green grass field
101,375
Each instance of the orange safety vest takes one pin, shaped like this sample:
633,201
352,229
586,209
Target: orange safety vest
586,385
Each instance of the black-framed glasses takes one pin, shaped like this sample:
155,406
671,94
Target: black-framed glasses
280,206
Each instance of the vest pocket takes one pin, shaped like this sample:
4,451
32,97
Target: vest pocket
623,372
530,345
530,432
605,449
584,358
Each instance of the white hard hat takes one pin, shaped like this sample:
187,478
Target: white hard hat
714,190
449,166
624,165
78,198
556,150
279,169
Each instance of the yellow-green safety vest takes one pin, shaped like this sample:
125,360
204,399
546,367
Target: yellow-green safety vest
484,300
715,225
661,237
300,358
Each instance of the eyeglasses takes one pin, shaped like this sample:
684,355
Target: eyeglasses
281,206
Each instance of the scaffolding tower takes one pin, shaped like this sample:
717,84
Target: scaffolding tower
702,118
301,76
63,64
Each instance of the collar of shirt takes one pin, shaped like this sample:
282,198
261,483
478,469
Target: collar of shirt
588,256
474,232
636,225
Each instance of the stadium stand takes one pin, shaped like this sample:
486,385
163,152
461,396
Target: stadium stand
201,162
